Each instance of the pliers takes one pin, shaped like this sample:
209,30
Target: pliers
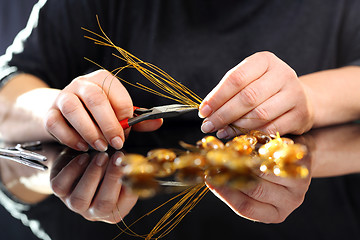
21,154
166,111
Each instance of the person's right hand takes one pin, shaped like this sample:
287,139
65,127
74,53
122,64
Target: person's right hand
88,111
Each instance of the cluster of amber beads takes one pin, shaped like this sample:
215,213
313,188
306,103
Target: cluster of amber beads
281,156
234,164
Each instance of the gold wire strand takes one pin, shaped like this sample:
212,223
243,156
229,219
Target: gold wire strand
168,88
171,88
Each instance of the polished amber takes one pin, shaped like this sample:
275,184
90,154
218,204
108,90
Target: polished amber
232,164
161,155
210,142
243,144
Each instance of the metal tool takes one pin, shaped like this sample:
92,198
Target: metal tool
21,154
167,111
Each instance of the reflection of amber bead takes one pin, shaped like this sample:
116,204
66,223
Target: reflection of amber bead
291,170
190,175
243,144
190,160
143,187
289,153
165,169
141,169
268,150
210,142
216,177
133,158
225,177
228,159
161,155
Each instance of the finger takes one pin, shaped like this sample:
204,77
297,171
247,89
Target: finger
126,202
247,207
234,80
266,112
286,123
269,192
62,184
148,125
118,96
109,191
75,113
244,101
59,128
84,192
106,107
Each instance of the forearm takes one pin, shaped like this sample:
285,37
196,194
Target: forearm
334,95
25,100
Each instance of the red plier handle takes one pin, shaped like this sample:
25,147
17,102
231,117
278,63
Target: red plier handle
125,123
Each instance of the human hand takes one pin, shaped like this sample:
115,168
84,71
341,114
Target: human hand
263,93
92,187
271,200
88,111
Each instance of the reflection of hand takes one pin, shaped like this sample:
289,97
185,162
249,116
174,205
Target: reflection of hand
88,111
271,200
335,150
262,92
92,187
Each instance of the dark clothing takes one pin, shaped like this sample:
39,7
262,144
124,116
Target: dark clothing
196,42
13,17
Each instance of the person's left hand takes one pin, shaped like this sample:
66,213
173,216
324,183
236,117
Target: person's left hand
263,93
271,200
92,188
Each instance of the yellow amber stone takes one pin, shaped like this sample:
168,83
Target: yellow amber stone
210,142
190,160
161,155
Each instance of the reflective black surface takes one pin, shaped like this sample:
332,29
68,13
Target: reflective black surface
331,209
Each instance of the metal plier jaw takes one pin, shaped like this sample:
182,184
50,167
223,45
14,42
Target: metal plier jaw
166,111
21,153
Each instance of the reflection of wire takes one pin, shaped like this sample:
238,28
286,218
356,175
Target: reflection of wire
173,184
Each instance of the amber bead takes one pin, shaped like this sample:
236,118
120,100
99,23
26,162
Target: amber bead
190,160
243,144
161,155
210,142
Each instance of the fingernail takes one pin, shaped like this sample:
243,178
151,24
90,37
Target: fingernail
207,127
117,161
83,159
101,159
222,133
204,111
117,142
100,145
82,146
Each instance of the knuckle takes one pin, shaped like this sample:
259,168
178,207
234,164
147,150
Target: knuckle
258,192
67,104
104,206
245,208
272,129
51,120
248,96
262,114
266,54
218,120
236,77
58,188
77,203
94,99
